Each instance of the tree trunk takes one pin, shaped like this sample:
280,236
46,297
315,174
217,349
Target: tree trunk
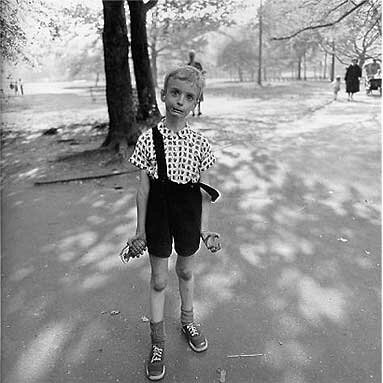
142,70
333,62
325,66
304,67
299,68
260,45
154,63
153,48
123,130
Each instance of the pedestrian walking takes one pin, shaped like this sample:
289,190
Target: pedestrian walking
352,78
21,87
198,66
173,199
336,86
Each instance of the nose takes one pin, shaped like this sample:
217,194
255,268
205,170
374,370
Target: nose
181,99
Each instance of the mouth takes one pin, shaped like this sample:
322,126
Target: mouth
177,111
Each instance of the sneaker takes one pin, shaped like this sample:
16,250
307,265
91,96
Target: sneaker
196,340
155,367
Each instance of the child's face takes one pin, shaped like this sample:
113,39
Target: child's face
180,97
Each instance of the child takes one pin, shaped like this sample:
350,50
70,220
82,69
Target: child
336,86
171,207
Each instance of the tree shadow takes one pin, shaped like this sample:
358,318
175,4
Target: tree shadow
298,279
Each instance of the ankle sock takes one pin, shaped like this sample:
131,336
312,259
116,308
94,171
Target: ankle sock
187,316
157,333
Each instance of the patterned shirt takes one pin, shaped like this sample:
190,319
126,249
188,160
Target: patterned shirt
187,154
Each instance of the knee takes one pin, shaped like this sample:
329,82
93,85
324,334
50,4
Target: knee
184,274
159,283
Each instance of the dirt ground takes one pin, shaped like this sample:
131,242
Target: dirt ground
298,279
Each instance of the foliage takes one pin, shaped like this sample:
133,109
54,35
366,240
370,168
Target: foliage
178,26
24,25
305,15
81,40
359,36
301,30
239,54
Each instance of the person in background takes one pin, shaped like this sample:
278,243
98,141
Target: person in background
198,66
21,87
336,86
352,78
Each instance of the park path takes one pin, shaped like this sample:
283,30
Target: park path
298,279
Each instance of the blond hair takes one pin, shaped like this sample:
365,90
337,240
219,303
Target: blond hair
186,73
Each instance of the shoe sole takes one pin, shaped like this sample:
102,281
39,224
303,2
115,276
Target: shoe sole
154,377
194,348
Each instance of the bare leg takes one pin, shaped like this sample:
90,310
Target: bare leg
158,283
184,270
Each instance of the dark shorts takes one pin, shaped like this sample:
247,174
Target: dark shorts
173,214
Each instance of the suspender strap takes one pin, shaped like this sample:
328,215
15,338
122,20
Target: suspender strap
213,193
160,154
161,163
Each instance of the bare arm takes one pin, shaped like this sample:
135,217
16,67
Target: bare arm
138,242
205,203
211,239
142,202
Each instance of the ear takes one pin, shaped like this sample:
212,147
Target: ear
163,94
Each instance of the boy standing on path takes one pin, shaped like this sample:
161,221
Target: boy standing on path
171,207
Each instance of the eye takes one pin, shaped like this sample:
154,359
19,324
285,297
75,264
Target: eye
190,97
174,92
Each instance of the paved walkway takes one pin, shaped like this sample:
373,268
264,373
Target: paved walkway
298,279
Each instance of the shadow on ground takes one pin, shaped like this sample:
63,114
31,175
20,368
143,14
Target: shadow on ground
298,279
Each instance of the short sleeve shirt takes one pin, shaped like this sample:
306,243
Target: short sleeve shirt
187,154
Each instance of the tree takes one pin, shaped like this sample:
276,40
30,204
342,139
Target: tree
178,26
23,23
357,36
142,69
81,49
306,26
240,56
315,15
123,130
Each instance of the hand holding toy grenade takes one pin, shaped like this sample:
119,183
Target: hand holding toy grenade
211,240
134,248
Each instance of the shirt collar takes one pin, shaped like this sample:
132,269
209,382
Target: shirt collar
183,133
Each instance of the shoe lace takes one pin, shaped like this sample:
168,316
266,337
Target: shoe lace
192,329
157,354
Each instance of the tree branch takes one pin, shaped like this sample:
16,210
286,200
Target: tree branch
337,7
326,25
